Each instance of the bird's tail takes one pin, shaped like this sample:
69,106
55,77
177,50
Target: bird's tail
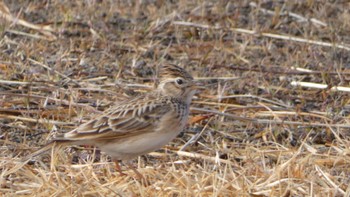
38,152
25,160
44,149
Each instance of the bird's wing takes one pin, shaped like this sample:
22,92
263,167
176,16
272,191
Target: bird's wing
139,115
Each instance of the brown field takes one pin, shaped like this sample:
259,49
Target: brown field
272,121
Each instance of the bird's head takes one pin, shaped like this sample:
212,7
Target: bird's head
175,81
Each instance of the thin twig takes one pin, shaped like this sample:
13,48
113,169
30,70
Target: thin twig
297,16
269,35
41,121
55,71
320,86
264,121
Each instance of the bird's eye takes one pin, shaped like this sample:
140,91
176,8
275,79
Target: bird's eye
179,81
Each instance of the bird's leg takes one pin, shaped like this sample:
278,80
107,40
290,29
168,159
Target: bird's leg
138,174
119,169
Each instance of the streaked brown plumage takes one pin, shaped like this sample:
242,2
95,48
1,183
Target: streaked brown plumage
140,125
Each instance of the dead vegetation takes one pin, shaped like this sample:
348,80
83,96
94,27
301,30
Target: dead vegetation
273,121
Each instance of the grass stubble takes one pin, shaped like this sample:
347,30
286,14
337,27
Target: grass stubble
273,120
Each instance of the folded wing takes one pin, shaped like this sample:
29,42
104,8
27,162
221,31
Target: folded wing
121,121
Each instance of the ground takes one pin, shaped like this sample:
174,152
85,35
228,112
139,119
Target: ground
273,119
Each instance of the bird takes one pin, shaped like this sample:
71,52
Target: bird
139,125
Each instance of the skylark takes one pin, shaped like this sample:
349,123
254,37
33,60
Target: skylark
140,125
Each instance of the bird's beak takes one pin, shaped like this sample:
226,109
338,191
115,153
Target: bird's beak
196,85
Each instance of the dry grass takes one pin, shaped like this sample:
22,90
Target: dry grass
273,121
